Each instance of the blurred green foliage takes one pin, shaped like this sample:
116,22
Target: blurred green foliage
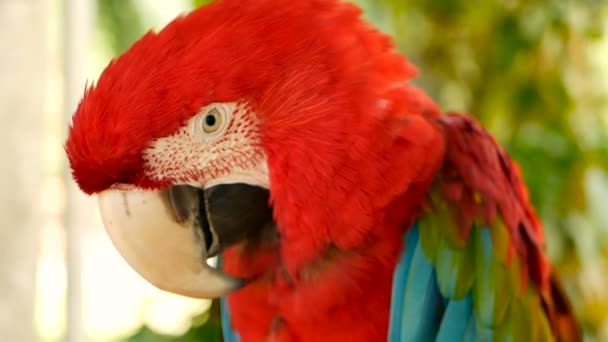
120,21
523,68
199,3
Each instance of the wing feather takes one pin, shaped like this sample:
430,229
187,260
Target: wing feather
484,247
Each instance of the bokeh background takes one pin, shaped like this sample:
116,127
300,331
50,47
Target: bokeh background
534,72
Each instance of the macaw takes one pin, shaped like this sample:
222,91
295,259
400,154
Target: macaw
345,205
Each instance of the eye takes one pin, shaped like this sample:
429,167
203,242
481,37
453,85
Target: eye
212,121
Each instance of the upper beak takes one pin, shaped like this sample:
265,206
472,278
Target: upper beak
167,235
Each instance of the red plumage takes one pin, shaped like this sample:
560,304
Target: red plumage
480,182
352,150
335,179
476,164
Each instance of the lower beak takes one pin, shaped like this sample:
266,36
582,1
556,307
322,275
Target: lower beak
167,235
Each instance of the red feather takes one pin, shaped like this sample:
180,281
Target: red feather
479,181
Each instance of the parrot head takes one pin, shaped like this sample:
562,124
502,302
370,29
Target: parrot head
235,115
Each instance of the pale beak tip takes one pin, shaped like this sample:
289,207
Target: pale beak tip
160,247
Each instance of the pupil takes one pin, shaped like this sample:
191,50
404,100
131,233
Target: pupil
210,120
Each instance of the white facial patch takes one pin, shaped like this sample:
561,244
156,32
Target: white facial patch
219,145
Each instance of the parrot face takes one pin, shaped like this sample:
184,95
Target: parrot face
219,145
174,150
219,198
175,137
283,133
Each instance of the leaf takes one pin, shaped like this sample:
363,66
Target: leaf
199,3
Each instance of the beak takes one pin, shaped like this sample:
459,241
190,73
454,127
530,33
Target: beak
167,235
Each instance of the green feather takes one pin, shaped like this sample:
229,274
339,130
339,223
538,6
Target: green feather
485,334
504,293
525,320
515,277
484,289
534,315
480,266
455,270
518,327
542,327
501,240
430,229
503,331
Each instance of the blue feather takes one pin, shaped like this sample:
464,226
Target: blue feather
422,302
470,333
229,333
457,316
420,311
399,283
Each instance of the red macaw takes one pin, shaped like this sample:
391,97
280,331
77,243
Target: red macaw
346,206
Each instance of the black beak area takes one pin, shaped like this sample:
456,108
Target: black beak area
225,214
236,212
